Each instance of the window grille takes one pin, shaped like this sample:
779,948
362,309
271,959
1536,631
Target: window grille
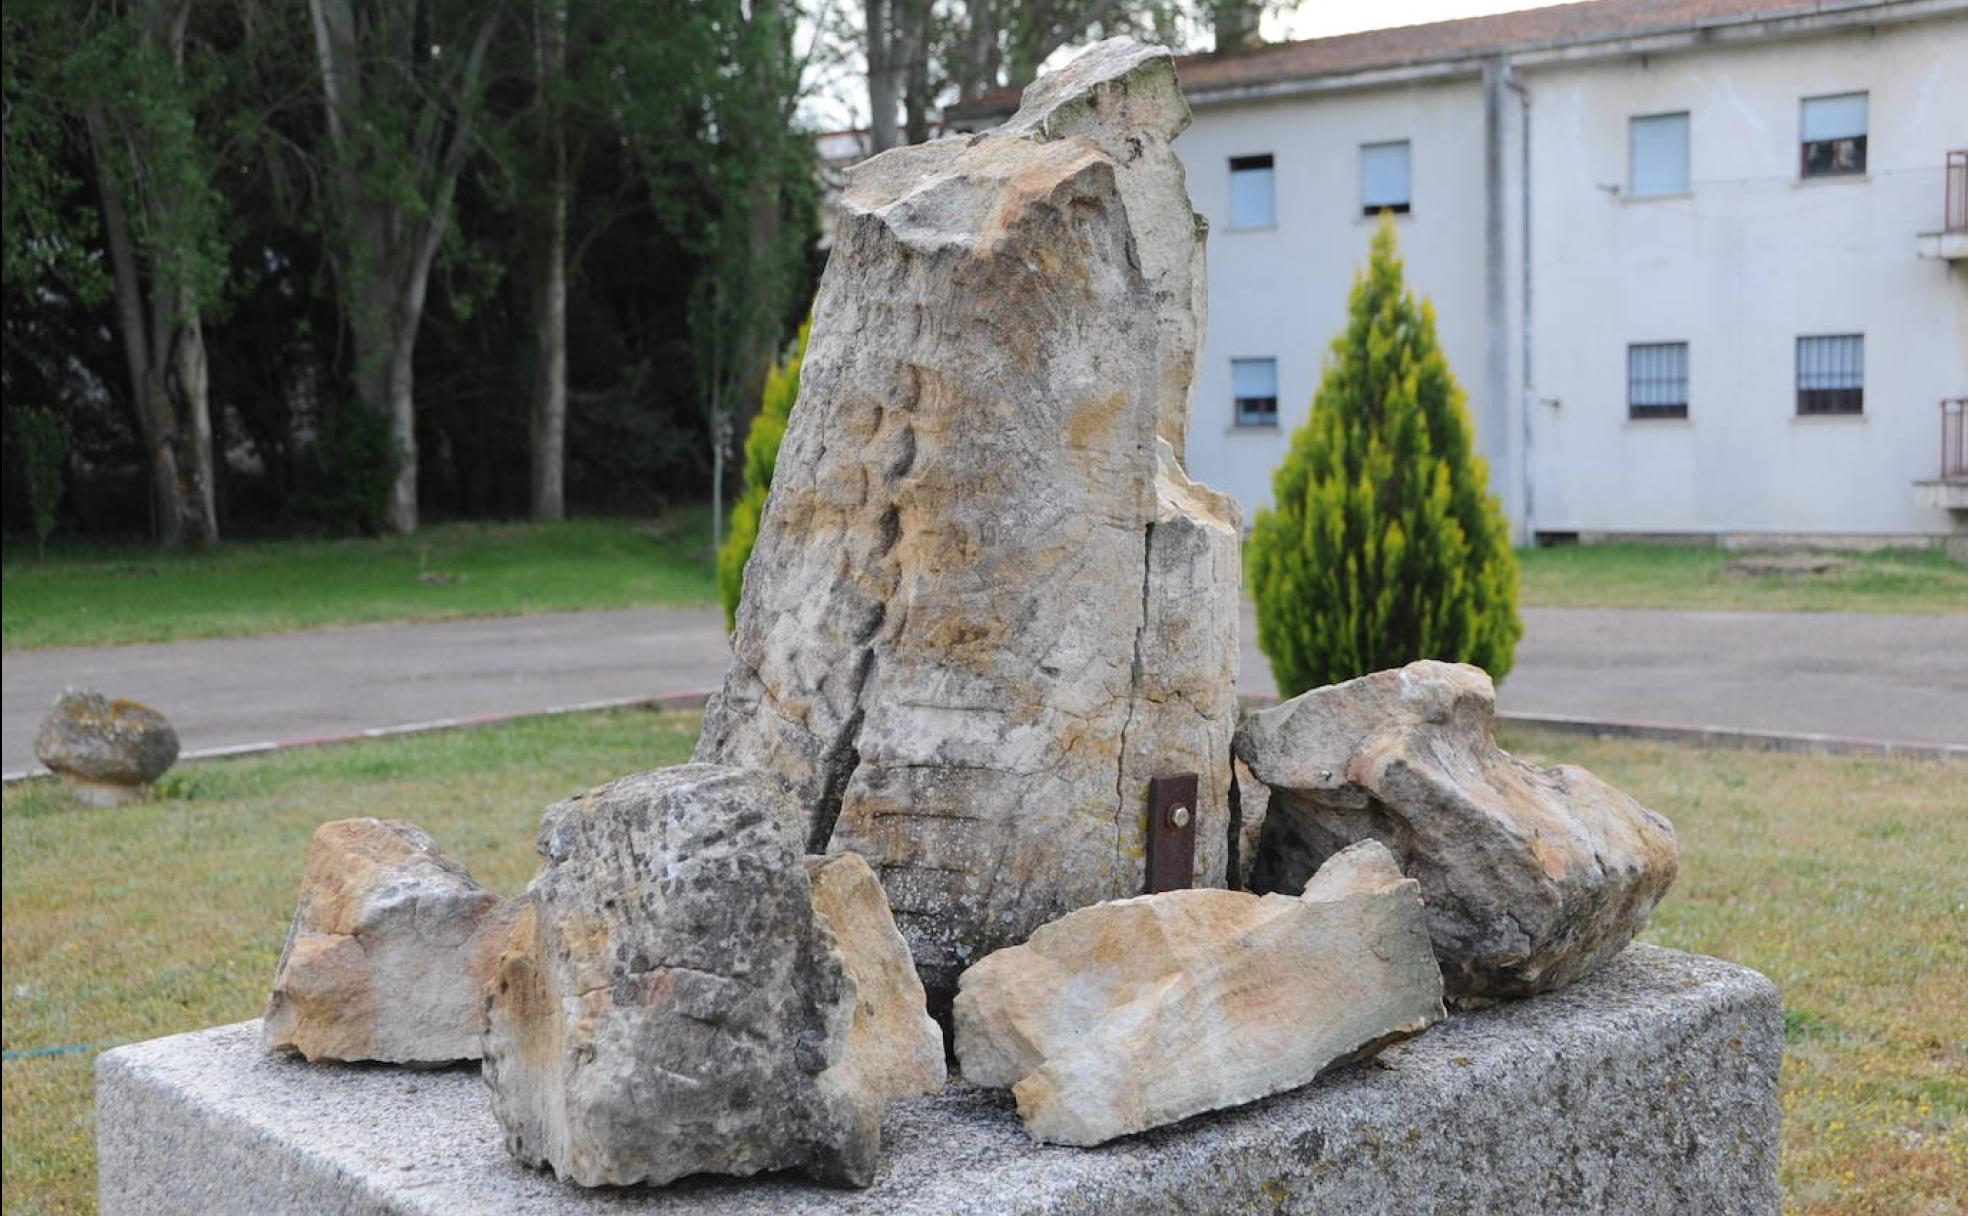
1657,380
1831,374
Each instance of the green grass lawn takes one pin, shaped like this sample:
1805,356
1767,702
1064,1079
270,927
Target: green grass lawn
91,595
84,595
1669,576
1839,878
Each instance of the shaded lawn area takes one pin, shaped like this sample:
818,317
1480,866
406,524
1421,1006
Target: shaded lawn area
1839,878
92,595
1672,576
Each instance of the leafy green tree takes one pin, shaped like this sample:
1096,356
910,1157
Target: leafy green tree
403,84
129,80
782,388
1384,544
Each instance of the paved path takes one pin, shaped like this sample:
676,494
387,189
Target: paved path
1903,678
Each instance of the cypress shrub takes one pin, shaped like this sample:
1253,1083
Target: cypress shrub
782,386
1384,544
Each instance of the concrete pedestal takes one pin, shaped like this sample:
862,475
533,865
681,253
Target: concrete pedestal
1649,1087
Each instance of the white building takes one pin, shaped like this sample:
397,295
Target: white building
1689,257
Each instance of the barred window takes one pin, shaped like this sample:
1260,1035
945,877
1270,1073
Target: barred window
1831,374
1657,380
1254,385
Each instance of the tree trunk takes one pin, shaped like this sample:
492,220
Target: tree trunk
915,70
390,240
188,384
977,71
548,416
166,360
884,73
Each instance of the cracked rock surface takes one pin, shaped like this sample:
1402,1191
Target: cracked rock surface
986,604
1533,876
676,998
1132,1014
389,951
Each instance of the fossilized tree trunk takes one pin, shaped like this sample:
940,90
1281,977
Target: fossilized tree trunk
986,604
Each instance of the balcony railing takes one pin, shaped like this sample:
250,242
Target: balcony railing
1955,210
1954,439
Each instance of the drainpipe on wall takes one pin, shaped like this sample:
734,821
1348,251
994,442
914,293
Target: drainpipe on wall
1528,397
1493,429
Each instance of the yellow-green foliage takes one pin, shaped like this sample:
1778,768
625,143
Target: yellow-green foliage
1384,544
782,386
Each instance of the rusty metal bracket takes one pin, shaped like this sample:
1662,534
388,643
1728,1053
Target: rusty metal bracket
1171,831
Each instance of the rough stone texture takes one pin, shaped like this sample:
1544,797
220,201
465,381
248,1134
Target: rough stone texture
893,1041
670,1002
389,952
1252,804
985,604
1649,1088
1533,876
1123,96
108,751
1132,1014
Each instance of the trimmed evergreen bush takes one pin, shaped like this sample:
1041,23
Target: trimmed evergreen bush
782,386
1383,545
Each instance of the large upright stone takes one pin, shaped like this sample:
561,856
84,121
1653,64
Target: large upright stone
986,605
1132,1014
389,952
1533,876
671,1002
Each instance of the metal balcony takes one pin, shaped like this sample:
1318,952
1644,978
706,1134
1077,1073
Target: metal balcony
1950,243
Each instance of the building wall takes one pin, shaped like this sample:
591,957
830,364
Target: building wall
1281,292
1740,266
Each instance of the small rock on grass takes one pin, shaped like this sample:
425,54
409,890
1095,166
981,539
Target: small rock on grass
108,751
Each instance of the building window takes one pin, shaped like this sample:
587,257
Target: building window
1254,385
1834,134
1252,202
1831,374
1657,380
1384,178
1658,154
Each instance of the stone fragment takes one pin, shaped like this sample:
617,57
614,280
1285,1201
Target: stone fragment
108,751
1253,802
986,605
1132,1014
671,1002
893,1041
389,952
1533,876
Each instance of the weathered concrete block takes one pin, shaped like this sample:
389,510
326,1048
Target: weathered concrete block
1650,1086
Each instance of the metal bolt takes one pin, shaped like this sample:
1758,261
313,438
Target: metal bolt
1179,816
